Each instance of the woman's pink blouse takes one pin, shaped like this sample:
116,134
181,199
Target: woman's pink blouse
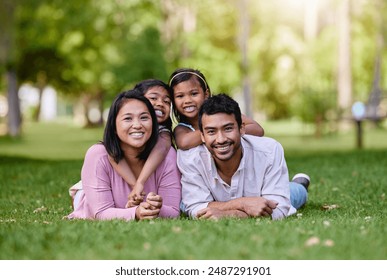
106,193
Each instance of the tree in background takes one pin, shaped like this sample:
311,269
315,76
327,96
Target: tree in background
344,72
317,91
91,50
369,21
8,64
203,38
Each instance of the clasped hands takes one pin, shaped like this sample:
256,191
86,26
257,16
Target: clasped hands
150,208
241,207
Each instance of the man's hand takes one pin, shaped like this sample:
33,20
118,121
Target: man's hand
257,206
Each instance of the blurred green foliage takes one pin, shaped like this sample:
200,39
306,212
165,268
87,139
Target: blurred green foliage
98,48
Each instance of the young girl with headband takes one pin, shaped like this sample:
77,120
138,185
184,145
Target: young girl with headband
190,89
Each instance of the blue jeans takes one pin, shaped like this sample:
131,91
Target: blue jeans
298,195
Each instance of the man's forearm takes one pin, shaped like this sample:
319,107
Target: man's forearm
252,206
235,213
215,213
234,204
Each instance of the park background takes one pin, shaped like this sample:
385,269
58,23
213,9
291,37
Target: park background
295,66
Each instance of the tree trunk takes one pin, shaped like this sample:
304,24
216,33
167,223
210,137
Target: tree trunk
376,92
244,38
177,19
7,57
92,102
344,78
319,122
311,20
41,83
14,117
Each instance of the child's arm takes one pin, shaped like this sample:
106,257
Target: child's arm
186,138
252,127
157,155
124,171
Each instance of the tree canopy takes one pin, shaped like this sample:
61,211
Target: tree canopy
98,48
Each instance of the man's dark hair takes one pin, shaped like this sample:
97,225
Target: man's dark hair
221,103
110,137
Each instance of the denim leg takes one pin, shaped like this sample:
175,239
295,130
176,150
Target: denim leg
182,207
298,195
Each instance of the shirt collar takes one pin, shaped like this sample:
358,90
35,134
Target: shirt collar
242,164
214,171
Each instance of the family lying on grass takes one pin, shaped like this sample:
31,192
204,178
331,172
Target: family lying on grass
222,167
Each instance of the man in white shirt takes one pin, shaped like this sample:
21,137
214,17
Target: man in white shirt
236,175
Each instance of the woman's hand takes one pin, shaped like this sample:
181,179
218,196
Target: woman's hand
155,201
145,212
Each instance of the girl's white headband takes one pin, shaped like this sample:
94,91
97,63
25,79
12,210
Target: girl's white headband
188,72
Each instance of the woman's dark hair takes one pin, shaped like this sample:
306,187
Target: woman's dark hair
110,137
221,103
184,74
145,85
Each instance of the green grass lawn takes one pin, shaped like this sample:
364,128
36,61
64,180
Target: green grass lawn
345,217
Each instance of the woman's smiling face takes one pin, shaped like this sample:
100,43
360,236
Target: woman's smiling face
134,125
